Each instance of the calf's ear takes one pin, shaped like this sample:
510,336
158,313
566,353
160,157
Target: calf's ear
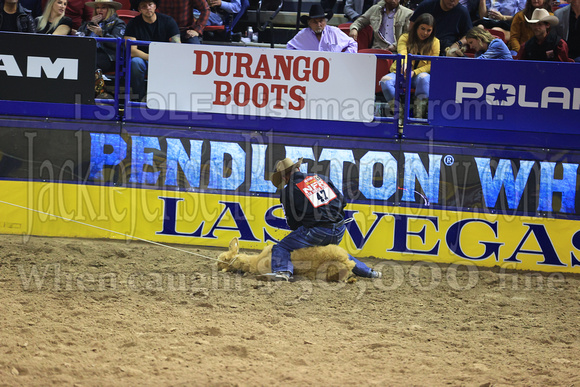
234,246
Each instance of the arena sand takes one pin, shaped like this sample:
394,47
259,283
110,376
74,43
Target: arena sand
111,313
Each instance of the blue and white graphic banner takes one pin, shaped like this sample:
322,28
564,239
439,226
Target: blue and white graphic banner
511,95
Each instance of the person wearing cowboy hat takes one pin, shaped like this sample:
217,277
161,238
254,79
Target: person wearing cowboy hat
104,24
319,36
148,26
545,45
314,210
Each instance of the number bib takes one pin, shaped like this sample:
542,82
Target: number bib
316,190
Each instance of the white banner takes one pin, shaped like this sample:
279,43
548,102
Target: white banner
261,82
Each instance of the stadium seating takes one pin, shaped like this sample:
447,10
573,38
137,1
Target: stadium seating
228,27
383,65
126,14
364,38
498,33
126,4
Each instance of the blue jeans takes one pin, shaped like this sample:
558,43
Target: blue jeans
420,82
308,237
138,74
190,40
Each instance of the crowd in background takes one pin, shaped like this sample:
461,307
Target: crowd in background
487,29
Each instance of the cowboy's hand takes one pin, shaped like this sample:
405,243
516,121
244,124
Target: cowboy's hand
192,33
454,50
353,33
215,3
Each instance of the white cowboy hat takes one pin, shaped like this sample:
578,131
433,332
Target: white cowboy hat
282,168
113,4
542,15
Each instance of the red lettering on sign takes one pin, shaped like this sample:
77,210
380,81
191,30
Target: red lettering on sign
296,97
222,89
288,68
198,62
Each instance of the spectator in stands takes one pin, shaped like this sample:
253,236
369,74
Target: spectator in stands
521,31
15,18
79,12
353,9
420,40
545,45
35,6
53,20
451,19
498,14
222,10
569,28
105,24
149,26
182,11
475,8
319,36
389,21
487,46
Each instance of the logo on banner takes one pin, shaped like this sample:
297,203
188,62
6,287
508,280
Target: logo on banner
316,190
45,68
38,65
497,94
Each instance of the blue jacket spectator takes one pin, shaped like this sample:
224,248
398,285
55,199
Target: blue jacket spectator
487,46
222,11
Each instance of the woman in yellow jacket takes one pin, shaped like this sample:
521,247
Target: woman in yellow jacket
521,31
420,40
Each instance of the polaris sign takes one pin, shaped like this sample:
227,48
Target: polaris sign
47,68
507,95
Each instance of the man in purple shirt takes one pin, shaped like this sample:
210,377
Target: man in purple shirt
320,37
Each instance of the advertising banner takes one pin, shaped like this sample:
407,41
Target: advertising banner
483,206
262,82
397,233
484,179
47,68
501,94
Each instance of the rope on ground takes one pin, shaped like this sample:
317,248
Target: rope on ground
115,232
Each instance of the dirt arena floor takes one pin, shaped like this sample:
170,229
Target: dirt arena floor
110,313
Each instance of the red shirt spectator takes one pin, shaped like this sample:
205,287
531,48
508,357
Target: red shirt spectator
182,12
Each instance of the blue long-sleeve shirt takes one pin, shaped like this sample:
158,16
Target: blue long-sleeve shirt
497,49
